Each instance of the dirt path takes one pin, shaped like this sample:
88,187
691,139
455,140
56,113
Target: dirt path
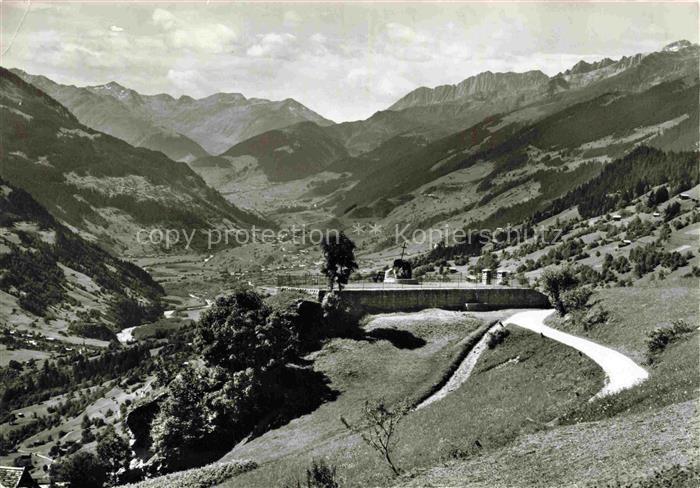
463,371
620,371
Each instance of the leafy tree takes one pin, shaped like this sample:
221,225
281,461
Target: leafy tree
82,469
576,298
113,451
555,282
241,332
339,256
486,261
378,428
87,436
181,423
246,346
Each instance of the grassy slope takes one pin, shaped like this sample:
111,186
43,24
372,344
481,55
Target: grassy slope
530,393
589,454
673,373
622,439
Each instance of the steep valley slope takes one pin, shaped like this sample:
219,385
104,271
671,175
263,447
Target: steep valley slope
98,184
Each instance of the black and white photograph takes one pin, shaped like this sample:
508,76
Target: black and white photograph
349,244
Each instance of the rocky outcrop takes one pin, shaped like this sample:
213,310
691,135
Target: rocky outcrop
479,87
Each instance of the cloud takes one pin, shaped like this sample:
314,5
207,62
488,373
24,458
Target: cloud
291,19
402,33
212,38
345,61
163,19
273,45
403,42
216,38
384,85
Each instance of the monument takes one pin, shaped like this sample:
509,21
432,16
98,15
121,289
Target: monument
400,272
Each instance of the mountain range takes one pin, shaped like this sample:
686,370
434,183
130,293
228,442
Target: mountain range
446,154
183,128
393,156
97,184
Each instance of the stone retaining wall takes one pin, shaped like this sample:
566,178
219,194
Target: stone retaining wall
412,299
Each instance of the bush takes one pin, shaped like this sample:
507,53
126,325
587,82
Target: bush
659,339
576,298
497,337
591,318
318,475
338,317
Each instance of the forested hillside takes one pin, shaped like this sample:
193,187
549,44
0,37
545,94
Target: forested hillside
50,271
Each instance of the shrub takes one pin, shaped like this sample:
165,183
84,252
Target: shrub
338,316
460,261
659,339
497,337
592,318
318,475
576,298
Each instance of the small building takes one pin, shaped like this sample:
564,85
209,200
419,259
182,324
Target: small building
685,196
502,276
617,217
11,477
624,243
486,276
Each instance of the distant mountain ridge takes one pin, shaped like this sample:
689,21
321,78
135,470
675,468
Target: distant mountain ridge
183,128
482,85
525,86
98,184
393,152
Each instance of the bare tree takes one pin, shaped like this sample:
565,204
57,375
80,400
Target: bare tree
378,428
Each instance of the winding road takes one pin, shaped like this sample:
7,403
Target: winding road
621,372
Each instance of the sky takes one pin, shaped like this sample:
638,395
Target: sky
343,60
